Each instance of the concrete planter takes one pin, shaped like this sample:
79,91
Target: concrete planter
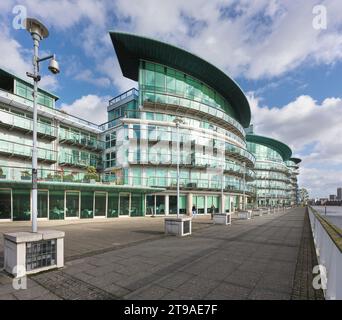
222,218
258,212
28,253
245,215
178,226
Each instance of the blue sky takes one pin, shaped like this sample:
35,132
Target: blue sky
290,71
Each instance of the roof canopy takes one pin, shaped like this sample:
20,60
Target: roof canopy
132,48
280,147
296,160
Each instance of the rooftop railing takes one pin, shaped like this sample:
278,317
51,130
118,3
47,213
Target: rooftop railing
122,96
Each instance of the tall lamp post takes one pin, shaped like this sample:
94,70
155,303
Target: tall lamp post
178,121
38,32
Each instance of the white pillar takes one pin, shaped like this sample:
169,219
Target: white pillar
167,210
189,204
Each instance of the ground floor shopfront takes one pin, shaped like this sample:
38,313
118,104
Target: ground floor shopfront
56,202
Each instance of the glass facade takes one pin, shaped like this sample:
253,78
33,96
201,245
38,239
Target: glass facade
128,166
271,176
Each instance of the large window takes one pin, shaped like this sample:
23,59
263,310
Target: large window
124,204
87,204
100,204
213,204
21,205
198,201
150,204
113,205
5,204
56,203
43,203
173,204
160,205
72,207
137,200
165,80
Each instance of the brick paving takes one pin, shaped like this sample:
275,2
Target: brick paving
251,259
307,259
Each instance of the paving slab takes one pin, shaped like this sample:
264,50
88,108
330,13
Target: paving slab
261,258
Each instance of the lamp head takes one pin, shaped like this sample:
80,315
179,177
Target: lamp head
54,66
36,27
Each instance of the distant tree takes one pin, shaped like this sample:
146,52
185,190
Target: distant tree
304,196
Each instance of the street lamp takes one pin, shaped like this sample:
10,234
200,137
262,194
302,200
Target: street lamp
178,121
38,32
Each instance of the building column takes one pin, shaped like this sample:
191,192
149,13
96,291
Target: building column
167,208
189,204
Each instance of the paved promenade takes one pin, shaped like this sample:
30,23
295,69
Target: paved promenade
260,258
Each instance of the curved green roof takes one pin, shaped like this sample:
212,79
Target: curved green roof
296,160
131,48
283,149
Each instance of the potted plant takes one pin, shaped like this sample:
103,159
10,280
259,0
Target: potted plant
49,177
91,175
68,178
2,175
25,175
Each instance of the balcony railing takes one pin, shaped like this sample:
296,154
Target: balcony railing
61,176
78,161
25,151
8,119
81,140
128,93
189,160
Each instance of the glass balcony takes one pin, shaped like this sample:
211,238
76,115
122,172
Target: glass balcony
188,160
130,93
25,151
78,161
196,107
11,120
80,139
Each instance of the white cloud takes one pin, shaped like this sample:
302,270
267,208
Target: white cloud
88,76
91,107
12,54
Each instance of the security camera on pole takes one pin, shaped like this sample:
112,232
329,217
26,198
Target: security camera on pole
16,249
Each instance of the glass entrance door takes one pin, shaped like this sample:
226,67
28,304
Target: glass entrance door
124,204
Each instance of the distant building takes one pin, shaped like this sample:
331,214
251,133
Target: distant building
332,197
339,194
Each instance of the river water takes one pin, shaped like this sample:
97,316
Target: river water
333,214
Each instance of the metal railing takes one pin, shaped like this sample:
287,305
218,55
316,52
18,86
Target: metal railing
22,150
16,121
328,243
81,139
122,96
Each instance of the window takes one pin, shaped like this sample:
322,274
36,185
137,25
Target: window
100,203
113,203
5,204
110,160
72,206
42,204
21,205
87,199
56,203
137,200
